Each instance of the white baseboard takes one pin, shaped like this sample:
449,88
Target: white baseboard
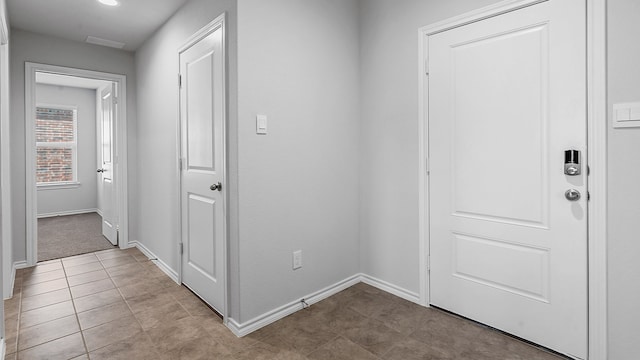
3,348
65,213
159,263
265,319
283,311
99,211
390,288
8,294
16,265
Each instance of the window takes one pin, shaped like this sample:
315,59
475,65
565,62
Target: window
56,145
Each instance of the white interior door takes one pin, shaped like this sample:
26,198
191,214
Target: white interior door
105,172
202,117
507,97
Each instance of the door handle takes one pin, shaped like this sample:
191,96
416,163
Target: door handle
217,186
572,195
101,170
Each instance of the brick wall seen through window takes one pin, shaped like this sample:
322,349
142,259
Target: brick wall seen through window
55,145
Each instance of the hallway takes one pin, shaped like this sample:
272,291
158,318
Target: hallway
116,304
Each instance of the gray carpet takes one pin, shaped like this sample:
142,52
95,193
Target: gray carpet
63,236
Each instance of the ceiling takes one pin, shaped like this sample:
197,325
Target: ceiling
131,22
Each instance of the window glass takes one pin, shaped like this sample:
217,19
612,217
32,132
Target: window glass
55,145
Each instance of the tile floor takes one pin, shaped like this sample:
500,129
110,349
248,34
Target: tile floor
116,304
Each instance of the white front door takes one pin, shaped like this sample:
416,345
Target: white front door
202,117
105,172
507,97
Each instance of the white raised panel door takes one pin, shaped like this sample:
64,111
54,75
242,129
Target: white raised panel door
506,98
105,172
202,147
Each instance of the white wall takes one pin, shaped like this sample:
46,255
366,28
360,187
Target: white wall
84,197
624,180
298,64
27,46
389,133
157,70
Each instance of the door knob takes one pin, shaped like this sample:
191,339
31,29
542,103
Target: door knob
572,195
100,170
217,186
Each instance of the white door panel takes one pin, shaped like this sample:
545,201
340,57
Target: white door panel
202,148
506,98
109,228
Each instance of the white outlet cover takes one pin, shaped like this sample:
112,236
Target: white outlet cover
297,259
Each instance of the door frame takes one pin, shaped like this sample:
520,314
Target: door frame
120,168
597,157
217,23
6,236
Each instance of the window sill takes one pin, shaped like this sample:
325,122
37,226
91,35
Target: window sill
58,186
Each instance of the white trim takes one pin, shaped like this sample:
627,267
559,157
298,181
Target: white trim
214,25
480,14
156,260
276,314
423,176
8,293
20,265
4,26
597,145
67,213
3,347
217,23
391,288
58,185
120,165
597,126
5,160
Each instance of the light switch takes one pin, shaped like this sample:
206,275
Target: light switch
626,115
261,124
623,114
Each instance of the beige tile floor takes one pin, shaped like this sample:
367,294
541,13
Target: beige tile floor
116,304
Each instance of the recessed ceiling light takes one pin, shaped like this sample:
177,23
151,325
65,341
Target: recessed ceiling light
109,2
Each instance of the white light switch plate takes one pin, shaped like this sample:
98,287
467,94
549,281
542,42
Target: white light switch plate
261,124
626,115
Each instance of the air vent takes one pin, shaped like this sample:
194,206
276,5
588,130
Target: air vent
105,42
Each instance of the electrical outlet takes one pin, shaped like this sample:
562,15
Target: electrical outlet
297,259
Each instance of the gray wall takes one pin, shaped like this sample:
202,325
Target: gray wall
157,67
389,133
27,46
83,197
624,178
298,64
4,227
283,179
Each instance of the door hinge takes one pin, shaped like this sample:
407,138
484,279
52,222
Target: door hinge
426,163
181,248
179,164
180,81
115,100
426,67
